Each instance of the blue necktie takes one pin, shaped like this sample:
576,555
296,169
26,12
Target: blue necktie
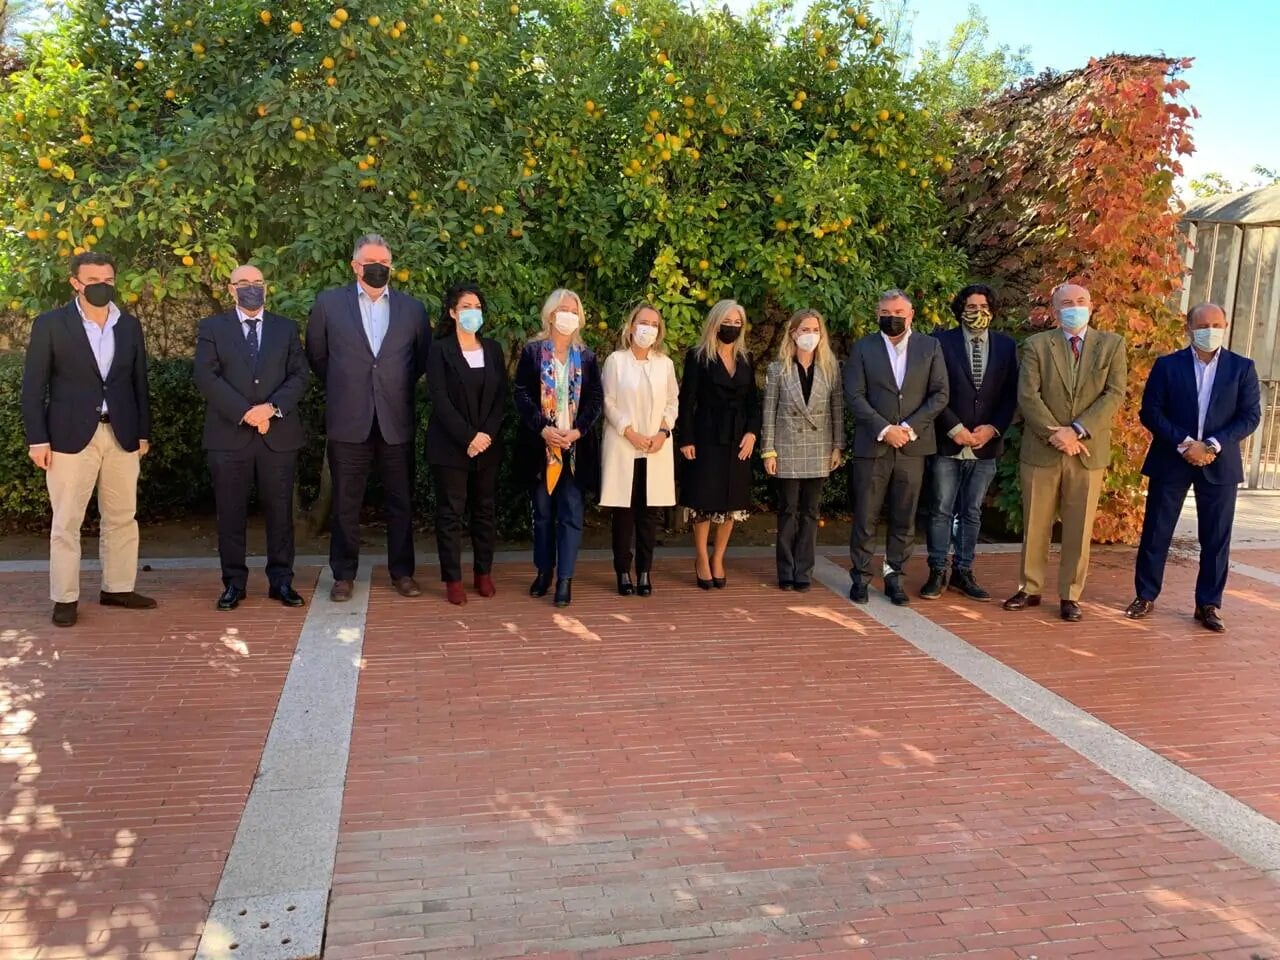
252,340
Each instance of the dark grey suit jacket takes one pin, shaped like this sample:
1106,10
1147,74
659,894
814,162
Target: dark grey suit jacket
63,390
231,384
872,395
356,383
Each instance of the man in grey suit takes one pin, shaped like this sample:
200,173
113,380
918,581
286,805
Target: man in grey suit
368,344
895,385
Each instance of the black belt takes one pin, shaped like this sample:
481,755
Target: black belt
104,418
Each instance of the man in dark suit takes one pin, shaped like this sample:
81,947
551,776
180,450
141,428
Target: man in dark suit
982,386
369,344
85,412
1199,403
250,368
895,384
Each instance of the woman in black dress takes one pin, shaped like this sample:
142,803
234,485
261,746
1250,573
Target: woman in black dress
717,428
467,381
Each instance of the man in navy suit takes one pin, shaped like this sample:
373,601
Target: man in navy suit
87,419
1199,403
982,374
250,368
368,344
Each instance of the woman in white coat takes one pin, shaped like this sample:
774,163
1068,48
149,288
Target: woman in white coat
641,400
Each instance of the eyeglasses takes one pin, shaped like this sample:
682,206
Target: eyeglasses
242,284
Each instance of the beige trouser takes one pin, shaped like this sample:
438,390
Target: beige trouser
1068,490
71,478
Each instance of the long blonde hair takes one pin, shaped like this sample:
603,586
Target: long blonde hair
823,356
624,335
549,307
708,343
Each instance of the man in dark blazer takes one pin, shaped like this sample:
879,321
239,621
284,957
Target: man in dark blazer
1199,403
982,387
369,345
895,385
250,368
86,417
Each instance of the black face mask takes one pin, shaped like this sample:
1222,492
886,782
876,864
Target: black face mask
99,294
251,297
892,326
729,334
376,275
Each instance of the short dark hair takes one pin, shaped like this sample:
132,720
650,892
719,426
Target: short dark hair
446,326
90,258
957,302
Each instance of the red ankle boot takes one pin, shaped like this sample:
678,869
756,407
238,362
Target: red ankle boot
454,592
484,585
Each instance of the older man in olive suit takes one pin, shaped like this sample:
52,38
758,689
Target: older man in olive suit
1071,383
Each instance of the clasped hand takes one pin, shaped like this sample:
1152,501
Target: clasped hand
560,439
479,444
1066,440
645,444
259,417
977,437
897,437
1199,454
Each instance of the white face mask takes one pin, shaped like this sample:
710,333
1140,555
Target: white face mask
644,335
1209,339
808,341
566,322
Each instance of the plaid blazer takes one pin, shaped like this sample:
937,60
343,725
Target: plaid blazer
802,434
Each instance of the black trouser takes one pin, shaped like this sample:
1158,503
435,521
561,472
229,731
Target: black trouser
234,473
896,477
460,490
798,501
349,465
637,523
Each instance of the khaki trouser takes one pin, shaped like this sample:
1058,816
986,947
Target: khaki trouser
71,478
1068,490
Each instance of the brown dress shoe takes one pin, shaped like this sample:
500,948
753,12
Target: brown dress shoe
129,600
341,590
64,614
1140,609
1210,619
1021,600
407,587
1070,611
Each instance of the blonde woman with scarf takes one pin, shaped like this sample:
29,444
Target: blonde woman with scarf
559,399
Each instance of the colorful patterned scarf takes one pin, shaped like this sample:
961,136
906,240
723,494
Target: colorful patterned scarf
573,373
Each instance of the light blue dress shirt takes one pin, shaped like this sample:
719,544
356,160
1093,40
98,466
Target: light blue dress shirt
102,340
375,315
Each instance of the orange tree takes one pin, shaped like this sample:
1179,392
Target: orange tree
638,149
1071,178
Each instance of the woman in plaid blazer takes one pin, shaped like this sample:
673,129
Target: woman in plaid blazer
803,439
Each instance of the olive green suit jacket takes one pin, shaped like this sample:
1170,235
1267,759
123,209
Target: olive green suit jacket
1053,394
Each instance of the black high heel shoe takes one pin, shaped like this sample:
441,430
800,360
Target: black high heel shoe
541,584
702,584
719,582
625,588
643,587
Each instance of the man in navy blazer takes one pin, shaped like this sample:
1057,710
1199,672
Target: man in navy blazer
982,380
369,344
87,419
250,368
1199,403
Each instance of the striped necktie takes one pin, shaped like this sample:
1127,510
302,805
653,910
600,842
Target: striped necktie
975,360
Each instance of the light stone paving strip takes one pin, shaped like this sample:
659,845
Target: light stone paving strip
273,898
1237,826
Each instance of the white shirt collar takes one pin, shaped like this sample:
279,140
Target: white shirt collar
244,317
1079,333
361,291
113,314
901,346
1195,355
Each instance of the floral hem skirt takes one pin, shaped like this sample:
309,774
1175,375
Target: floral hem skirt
737,516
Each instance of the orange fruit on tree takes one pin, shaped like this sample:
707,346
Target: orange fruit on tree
187,261
295,27
264,16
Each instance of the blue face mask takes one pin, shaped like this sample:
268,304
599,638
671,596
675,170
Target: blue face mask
470,319
1073,318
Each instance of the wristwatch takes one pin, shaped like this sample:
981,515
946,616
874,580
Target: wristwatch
665,432
275,412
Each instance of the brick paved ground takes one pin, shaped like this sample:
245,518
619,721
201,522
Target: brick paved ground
748,775
127,748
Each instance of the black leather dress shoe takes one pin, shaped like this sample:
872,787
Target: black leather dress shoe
1070,611
893,590
564,591
625,587
230,598
541,584
1210,619
1021,600
644,586
858,590
962,582
64,614
1140,609
934,586
786,584
286,595
800,586
130,600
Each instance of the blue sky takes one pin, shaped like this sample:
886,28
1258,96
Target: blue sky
1235,43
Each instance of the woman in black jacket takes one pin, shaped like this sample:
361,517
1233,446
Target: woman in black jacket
559,398
467,381
719,422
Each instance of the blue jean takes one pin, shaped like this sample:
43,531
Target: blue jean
959,487
557,526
